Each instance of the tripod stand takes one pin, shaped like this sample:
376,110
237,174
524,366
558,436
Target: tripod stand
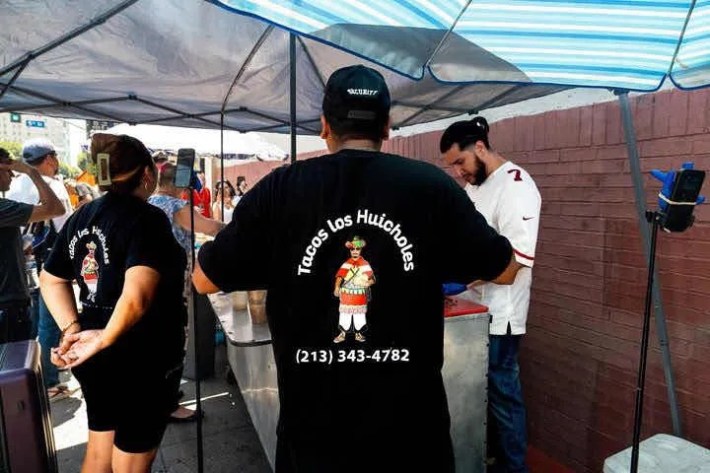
654,218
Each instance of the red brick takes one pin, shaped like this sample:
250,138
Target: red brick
545,156
678,112
539,125
614,128
599,111
524,134
701,145
643,118
585,126
661,117
665,147
698,112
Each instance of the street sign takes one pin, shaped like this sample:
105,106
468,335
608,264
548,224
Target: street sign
15,117
34,123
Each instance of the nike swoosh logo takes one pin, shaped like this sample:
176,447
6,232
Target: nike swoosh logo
528,218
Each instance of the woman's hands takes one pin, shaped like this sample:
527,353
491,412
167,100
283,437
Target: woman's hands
77,347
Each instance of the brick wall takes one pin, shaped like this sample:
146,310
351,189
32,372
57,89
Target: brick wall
580,355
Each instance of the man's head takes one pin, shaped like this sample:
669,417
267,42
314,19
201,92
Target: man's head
5,175
41,154
464,145
356,106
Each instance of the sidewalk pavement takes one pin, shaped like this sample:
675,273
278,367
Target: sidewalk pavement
230,441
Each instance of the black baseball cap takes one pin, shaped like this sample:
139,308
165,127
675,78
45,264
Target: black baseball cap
358,94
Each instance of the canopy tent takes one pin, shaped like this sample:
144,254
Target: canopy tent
203,141
619,44
184,62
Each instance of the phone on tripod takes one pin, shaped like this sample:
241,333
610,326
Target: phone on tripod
184,167
678,215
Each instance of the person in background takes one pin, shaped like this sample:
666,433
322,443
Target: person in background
178,211
224,192
364,411
205,196
84,194
15,320
129,270
241,189
41,154
508,198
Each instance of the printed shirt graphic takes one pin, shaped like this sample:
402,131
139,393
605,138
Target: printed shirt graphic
353,293
90,269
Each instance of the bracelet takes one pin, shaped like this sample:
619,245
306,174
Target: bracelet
68,326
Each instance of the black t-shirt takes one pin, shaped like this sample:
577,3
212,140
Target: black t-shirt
343,405
13,282
96,246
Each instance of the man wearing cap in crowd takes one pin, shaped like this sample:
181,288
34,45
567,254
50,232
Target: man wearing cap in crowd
42,156
378,404
15,323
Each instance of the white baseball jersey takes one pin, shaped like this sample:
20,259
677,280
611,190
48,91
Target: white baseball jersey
510,202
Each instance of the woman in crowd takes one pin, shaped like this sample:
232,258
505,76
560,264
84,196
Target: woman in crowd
224,191
167,198
241,189
129,269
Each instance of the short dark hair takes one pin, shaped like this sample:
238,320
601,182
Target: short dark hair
356,103
4,155
464,134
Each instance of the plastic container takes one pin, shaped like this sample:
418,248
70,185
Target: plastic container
257,306
662,453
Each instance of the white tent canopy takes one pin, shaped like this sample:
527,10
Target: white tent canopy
202,141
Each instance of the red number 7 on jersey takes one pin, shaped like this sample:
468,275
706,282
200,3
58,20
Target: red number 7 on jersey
517,174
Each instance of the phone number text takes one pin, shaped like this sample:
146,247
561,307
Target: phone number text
327,356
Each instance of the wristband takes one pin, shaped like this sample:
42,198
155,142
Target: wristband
69,326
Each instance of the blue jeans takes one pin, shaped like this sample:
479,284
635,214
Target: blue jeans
49,334
505,402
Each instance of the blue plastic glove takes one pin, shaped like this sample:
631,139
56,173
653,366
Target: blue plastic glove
453,288
667,178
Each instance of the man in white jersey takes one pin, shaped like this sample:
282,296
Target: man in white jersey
508,198
41,155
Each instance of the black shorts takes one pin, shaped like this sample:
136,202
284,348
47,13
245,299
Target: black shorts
128,397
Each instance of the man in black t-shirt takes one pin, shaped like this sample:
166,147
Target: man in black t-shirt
376,404
15,323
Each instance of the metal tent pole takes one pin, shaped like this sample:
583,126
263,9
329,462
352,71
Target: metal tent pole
292,93
632,148
221,162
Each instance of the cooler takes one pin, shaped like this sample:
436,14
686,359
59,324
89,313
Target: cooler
662,453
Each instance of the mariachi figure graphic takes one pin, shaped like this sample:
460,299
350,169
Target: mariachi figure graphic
90,269
352,286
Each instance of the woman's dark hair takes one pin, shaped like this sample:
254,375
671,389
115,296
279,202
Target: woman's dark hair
230,188
128,158
464,134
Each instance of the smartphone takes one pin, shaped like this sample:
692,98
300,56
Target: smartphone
185,164
686,189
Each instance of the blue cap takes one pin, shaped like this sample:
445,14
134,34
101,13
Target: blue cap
35,149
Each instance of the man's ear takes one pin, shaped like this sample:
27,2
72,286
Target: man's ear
386,130
324,128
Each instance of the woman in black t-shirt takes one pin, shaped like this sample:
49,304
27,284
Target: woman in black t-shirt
129,268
